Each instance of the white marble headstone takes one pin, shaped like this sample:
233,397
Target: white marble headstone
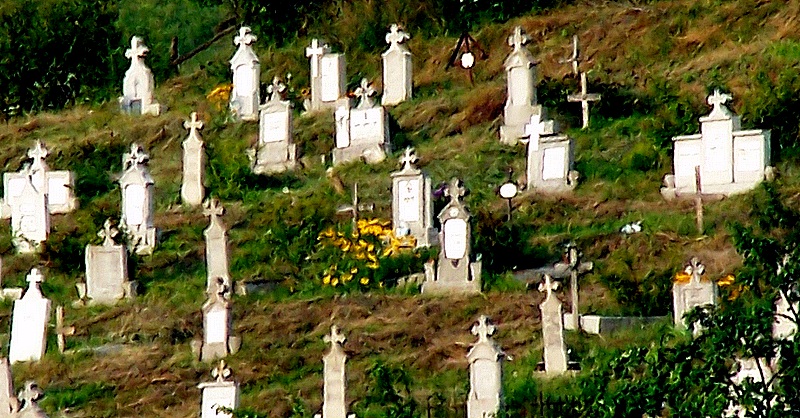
29,322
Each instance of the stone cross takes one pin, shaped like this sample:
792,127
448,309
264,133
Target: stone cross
219,395
315,52
518,39
555,351
245,36
408,159
214,209
718,100
534,131
335,383
572,263
108,233
483,329
276,90
575,58
355,208
38,153
548,285
194,163
696,269
584,97
193,125
455,190
485,372
396,36
137,156
222,372
335,339
217,258
137,51
62,331
34,279
364,93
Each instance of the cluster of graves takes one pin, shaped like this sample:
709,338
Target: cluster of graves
722,159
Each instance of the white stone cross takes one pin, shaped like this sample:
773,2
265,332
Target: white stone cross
718,100
396,36
214,209
548,285
534,131
335,339
137,156
455,190
276,89
483,329
137,51
695,269
364,92
38,153
518,39
409,158
34,278
584,97
245,36
193,125
222,372
108,233
315,52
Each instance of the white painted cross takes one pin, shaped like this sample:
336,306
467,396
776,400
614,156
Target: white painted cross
276,90
483,329
137,51
315,52
34,279
718,100
518,39
193,125
396,36
534,131
548,285
584,97
408,159
335,339
364,92
245,36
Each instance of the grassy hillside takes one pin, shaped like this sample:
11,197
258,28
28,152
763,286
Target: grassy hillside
653,62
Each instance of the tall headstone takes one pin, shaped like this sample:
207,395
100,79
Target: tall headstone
412,205
521,93
551,156
455,272
217,258
218,340
584,97
222,393
731,160
275,151
138,84
485,372
194,163
334,387
691,290
362,132
107,270
328,76
246,76
29,322
397,69
57,185
555,351
136,185
30,218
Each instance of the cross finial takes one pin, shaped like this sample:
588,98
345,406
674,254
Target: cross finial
137,50
484,329
29,395
193,125
534,131
108,233
39,152
409,158
518,39
396,36
696,269
364,91
455,190
335,339
222,372
245,37
213,208
34,277
219,291
276,89
548,285
137,156
718,100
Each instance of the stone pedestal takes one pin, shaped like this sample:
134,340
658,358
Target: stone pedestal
328,76
363,132
550,157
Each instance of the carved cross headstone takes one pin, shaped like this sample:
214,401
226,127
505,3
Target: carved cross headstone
555,351
29,321
362,132
246,76
222,392
518,39
106,270
194,163
485,372
335,383
327,76
521,94
690,290
572,262
412,203
534,131
136,186
584,97
217,324
397,68
217,256
138,84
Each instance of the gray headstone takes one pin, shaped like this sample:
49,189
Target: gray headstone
223,392
246,76
731,160
30,219
692,293
335,382
136,185
412,205
521,89
275,151
363,132
107,270
550,157
328,76
555,351
485,372
138,84
455,273
194,163
217,258
397,69
29,322
217,325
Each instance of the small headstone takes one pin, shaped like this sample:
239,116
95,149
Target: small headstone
455,273
485,372
30,218
194,163
550,156
584,97
328,76
57,185
334,387
731,160
138,84
555,351
106,270
217,325
521,93
136,185
362,132
750,371
217,258
222,393
412,204
690,290
29,322
397,69
246,76
275,151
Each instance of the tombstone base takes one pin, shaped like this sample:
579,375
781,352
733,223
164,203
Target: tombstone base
676,188
214,351
262,165
370,153
471,285
25,246
133,106
556,185
605,325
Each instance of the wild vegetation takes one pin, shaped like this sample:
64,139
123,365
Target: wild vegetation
652,61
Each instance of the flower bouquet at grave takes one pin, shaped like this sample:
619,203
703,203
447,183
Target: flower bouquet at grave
362,257
220,96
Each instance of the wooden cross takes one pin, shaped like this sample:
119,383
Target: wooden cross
455,190
573,263
364,91
315,52
518,39
62,331
396,36
698,199
534,131
222,372
355,208
108,233
137,49
548,285
408,159
575,58
335,339
193,125
245,37
584,97
276,89
483,329
696,269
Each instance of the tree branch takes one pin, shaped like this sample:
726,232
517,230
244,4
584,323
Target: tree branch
201,48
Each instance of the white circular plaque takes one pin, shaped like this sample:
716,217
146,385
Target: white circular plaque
508,190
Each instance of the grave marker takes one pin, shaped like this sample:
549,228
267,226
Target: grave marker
194,163
334,389
485,372
362,132
217,257
275,151
136,186
29,322
246,76
550,156
397,68
328,73
30,218
555,351
573,264
217,324
521,89
412,204
691,290
584,97
138,84
223,392
106,270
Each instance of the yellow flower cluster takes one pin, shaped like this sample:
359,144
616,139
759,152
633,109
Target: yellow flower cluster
683,277
221,95
726,281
